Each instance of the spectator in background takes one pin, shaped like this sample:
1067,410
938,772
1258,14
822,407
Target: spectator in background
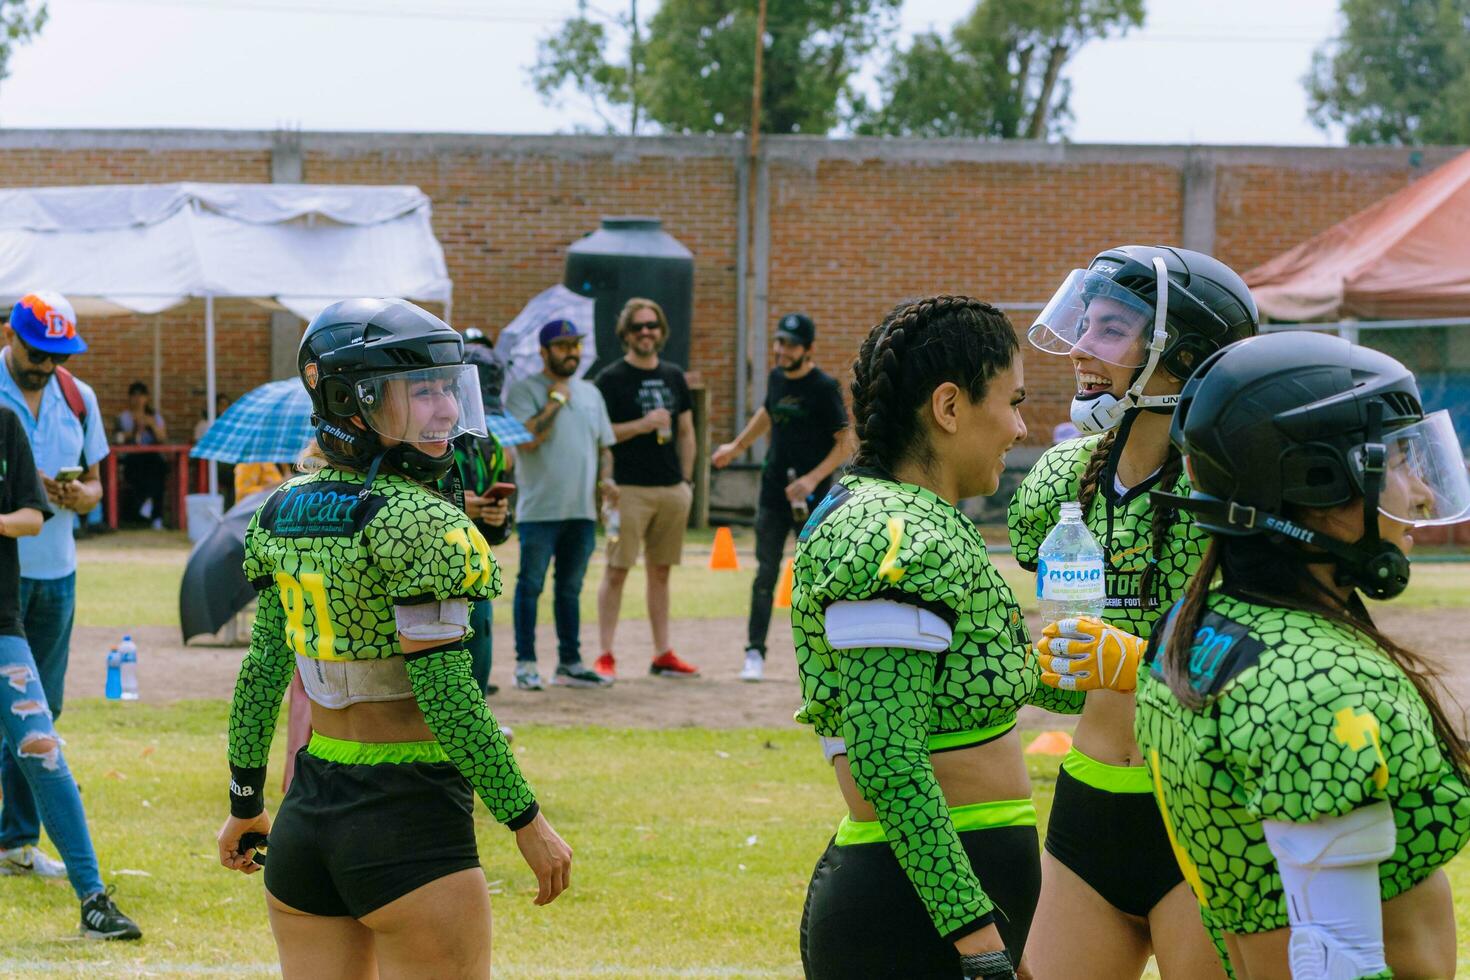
556,510
144,474
653,462
807,420
33,747
479,464
63,426
224,472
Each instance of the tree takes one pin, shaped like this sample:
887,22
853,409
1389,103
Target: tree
576,58
1399,73
999,75
695,69
19,23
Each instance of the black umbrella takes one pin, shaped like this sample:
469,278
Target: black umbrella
214,586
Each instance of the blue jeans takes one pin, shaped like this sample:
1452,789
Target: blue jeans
481,619
46,608
26,720
571,544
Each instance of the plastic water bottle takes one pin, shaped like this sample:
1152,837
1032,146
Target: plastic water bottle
1070,579
612,523
128,668
800,509
113,689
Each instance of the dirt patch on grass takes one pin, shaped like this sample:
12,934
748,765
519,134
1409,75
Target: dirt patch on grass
168,671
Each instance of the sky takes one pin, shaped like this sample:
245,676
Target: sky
1198,72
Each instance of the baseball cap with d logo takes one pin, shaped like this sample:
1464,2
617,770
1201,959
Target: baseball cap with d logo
46,322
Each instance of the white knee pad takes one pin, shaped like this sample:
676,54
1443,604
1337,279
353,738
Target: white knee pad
1329,870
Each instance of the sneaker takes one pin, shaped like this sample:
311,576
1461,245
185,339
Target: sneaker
101,919
491,690
755,666
507,733
668,664
579,675
606,665
528,678
30,860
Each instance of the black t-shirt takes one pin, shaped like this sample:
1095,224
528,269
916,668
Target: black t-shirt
630,393
806,416
20,486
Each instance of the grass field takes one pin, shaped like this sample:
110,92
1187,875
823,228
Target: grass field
693,846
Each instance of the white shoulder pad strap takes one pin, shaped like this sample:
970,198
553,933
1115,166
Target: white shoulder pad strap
445,619
1329,870
885,623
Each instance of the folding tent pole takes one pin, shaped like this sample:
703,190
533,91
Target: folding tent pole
209,379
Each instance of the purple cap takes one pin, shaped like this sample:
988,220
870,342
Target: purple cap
559,330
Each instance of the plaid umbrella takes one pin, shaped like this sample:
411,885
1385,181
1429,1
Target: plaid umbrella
508,430
269,424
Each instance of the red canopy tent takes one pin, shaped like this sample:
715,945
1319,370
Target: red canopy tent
1406,257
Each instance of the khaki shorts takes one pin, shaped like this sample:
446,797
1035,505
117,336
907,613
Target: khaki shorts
656,515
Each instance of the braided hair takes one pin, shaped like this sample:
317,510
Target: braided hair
919,346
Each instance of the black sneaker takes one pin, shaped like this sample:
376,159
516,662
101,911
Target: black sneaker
101,919
579,675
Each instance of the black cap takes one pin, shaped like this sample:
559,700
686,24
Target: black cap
797,328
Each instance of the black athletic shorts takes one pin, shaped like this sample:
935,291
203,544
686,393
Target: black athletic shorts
349,839
864,919
1115,842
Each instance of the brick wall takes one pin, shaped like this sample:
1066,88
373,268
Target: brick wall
853,226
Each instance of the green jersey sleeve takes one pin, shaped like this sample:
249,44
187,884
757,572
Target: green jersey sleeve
455,710
1328,754
428,549
894,555
1036,505
887,701
264,675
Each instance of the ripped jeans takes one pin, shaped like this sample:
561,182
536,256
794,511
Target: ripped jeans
31,739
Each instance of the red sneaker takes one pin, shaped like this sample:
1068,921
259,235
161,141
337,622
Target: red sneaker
606,666
667,664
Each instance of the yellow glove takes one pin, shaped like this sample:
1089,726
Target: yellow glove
1087,655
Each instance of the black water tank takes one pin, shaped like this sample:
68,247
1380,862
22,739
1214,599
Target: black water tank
627,257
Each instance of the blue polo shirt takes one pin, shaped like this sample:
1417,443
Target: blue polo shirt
56,439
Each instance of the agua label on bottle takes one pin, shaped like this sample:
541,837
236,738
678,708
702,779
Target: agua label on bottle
1069,581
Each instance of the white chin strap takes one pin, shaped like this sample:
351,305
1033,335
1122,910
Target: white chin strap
1099,414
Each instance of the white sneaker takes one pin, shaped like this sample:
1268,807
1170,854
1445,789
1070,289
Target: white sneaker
30,860
755,666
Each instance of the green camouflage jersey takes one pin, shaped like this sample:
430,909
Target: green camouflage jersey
1122,527
1304,719
873,539
330,564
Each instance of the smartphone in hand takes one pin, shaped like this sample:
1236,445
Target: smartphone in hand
499,491
68,473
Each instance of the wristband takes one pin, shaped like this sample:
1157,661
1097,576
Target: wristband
558,397
993,964
247,791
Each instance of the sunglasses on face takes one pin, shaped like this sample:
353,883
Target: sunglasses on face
641,327
41,356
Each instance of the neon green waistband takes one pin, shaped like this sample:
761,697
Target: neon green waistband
1110,779
971,816
974,736
373,753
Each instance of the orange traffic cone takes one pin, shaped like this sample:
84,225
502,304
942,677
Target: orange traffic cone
783,588
722,558
1050,743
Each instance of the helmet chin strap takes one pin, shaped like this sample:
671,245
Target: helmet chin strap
1100,414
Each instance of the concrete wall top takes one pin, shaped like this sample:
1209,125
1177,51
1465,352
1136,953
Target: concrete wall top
810,150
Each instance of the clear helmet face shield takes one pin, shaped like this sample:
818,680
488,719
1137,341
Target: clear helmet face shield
1093,315
425,405
1425,481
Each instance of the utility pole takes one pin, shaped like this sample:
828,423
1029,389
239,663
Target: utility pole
633,65
755,327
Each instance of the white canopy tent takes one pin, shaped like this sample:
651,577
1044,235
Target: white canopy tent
143,248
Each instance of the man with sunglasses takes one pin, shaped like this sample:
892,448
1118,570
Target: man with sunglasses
40,336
